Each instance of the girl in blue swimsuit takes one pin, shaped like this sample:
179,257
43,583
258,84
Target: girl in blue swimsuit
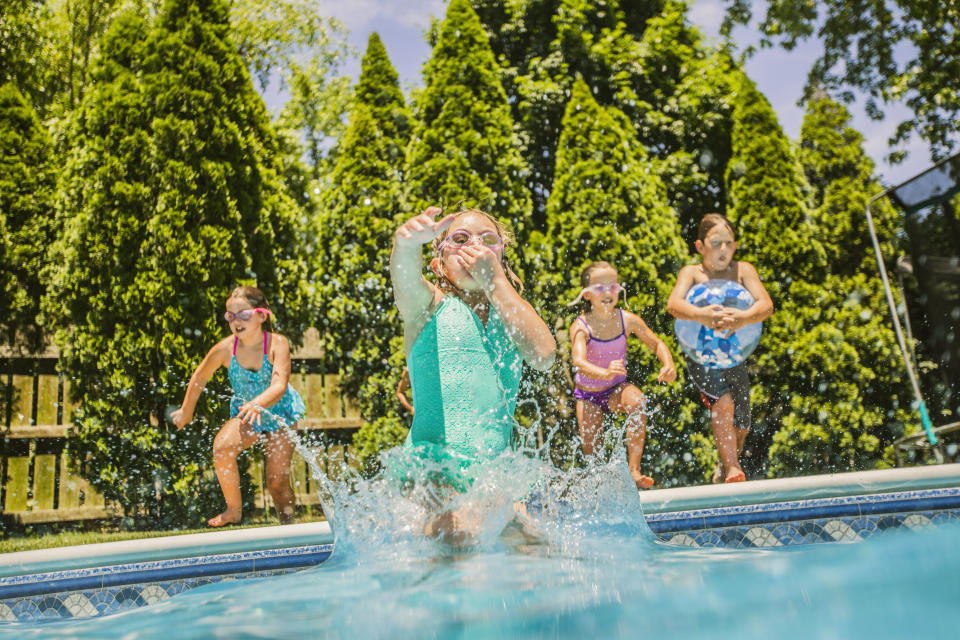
465,338
263,402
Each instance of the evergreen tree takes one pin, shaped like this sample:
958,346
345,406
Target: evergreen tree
463,148
172,196
863,395
359,209
26,207
767,196
767,203
642,57
608,204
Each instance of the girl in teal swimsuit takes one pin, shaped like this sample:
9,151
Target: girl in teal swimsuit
465,337
263,402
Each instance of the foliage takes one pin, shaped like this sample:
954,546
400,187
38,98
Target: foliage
358,213
642,57
172,195
21,44
607,203
463,148
906,50
26,202
827,390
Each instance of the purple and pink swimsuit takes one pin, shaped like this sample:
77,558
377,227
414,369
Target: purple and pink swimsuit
601,353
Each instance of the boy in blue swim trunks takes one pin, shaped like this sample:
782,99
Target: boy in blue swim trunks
465,337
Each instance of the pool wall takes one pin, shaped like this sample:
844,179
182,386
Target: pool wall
100,579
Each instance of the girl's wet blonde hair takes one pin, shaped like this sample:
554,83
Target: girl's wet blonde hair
502,230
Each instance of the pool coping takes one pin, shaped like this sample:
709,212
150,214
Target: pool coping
104,578
745,503
214,543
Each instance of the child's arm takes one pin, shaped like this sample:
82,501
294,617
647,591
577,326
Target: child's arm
639,328
578,355
527,329
402,390
280,348
412,293
217,357
679,308
760,310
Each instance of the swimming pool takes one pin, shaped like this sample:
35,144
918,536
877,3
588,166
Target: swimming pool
601,570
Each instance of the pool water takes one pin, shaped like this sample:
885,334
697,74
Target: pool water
579,561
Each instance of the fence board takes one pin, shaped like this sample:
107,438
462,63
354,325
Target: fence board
71,484
22,400
314,395
70,403
331,388
18,475
44,480
47,389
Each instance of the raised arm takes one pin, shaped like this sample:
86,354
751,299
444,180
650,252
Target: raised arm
412,293
217,357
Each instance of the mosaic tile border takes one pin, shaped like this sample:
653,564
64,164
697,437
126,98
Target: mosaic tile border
797,532
106,590
804,510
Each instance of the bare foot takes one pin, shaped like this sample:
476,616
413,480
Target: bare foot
286,516
643,482
717,474
736,476
225,518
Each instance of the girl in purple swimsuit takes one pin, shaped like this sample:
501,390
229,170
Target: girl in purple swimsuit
598,341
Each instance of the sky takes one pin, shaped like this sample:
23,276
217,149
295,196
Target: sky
779,74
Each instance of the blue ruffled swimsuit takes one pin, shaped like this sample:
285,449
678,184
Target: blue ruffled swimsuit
465,378
248,384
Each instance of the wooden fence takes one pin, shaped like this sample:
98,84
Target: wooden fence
41,486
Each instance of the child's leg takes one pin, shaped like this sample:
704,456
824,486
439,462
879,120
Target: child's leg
278,447
590,419
721,414
630,400
234,436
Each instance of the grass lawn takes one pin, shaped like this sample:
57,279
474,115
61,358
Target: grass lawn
46,540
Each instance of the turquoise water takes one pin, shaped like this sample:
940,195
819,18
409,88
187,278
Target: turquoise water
582,563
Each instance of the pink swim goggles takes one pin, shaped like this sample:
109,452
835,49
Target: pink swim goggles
599,289
462,237
244,315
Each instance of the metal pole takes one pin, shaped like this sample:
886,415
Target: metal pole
921,405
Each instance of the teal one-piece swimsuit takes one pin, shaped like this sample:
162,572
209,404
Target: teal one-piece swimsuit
465,378
248,384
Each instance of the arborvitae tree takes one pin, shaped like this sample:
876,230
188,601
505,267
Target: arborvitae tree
642,57
767,196
171,197
767,203
810,374
463,148
609,204
863,397
26,220
842,178
358,212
